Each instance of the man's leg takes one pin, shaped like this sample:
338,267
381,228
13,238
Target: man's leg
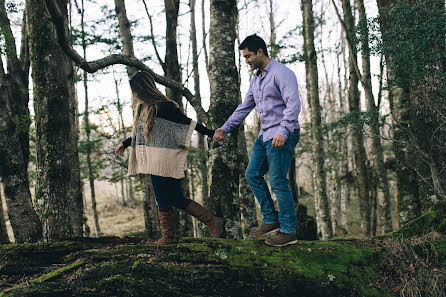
278,163
257,167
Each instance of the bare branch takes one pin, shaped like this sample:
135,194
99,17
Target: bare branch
381,73
349,43
152,38
203,26
24,46
113,59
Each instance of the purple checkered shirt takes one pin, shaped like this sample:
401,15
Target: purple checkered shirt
277,99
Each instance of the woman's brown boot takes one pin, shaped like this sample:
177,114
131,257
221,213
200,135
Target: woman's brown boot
215,224
168,225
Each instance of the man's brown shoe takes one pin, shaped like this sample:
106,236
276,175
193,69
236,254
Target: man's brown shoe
263,230
281,239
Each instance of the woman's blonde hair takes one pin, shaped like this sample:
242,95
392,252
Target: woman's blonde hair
145,99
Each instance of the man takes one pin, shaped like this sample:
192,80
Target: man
273,90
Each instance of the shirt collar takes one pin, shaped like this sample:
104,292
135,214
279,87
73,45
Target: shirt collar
267,68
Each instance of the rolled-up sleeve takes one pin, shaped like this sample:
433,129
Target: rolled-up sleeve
287,82
240,113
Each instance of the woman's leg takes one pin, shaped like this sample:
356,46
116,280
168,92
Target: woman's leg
162,187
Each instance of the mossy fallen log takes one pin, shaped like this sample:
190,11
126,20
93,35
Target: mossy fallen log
222,267
195,267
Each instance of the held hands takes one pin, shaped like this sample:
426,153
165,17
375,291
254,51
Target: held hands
219,135
119,150
278,141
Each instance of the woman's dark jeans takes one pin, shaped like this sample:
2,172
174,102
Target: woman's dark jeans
168,192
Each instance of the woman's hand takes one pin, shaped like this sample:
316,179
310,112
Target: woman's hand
119,150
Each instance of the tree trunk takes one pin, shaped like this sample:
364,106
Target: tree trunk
320,191
357,138
131,193
247,199
385,216
186,226
58,179
409,200
151,221
87,131
172,67
204,34
125,32
4,239
201,138
223,77
14,139
343,145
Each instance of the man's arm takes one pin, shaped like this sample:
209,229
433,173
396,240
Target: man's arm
288,88
240,113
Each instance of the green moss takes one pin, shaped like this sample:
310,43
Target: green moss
59,272
221,266
48,276
433,220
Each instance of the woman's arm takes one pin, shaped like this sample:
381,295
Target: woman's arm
170,112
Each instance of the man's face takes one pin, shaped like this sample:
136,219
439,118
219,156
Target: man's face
252,59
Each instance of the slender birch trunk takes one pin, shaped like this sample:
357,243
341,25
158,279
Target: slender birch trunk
4,239
151,221
343,146
357,137
87,130
201,138
384,213
320,191
172,67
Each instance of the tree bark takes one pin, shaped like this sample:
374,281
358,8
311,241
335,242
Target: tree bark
151,221
320,191
87,131
58,179
201,138
14,138
357,138
172,67
223,76
125,32
247,199
418,119
4,239
204,34
384,213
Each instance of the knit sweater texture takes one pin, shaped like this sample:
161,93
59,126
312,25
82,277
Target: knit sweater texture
165,151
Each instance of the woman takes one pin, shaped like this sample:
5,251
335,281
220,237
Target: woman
158,147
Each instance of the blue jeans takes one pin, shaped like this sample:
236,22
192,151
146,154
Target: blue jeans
168,192
264,158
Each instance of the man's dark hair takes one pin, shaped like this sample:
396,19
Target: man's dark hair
253,43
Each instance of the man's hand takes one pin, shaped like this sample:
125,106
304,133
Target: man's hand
219,135
119,150
278,141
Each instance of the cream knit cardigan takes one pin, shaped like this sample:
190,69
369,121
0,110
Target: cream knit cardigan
165,153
